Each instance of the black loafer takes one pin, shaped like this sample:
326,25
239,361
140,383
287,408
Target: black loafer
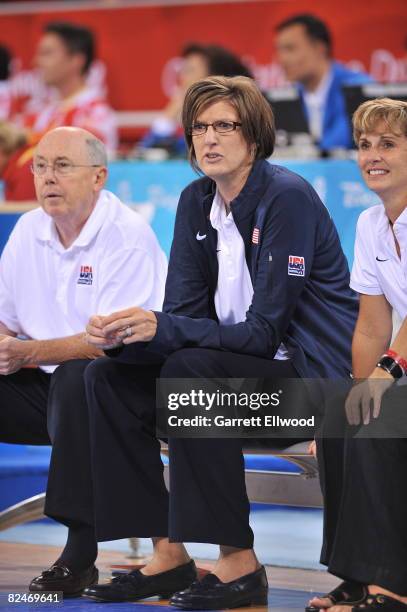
212,594
60,578
135,585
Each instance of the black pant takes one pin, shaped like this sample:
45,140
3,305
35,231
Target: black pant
365,498
208,501
38,408
106,468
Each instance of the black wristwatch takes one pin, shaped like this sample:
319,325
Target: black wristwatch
391,366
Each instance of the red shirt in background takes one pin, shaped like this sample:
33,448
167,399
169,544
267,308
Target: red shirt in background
18,178
85,109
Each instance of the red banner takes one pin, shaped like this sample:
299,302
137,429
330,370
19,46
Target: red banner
138,45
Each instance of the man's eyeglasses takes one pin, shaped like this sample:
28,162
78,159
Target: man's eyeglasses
60,167
222,127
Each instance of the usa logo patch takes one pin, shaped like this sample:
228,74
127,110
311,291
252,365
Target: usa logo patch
85,275
256,236
296,265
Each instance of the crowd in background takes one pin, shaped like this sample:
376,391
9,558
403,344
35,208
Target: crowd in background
65,54
234,304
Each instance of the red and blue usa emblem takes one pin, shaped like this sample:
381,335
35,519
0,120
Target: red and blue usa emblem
85,275
296,265
256,236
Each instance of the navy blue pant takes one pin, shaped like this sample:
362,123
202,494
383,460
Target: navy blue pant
208,501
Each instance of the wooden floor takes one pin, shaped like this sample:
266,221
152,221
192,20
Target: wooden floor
19,563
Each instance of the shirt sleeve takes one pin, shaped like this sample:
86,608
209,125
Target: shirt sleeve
132,277
363,277
8,278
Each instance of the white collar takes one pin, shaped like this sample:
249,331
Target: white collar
48,232
386,239
218,214
319,95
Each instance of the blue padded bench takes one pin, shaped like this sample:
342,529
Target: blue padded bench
276,476
23,472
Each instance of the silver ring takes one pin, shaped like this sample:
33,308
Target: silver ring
129,331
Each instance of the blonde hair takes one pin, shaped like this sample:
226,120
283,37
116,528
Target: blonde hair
392,112
242,93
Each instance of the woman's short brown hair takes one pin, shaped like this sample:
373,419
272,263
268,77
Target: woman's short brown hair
242,93
392,112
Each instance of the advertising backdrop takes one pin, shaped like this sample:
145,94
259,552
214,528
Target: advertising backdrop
139,45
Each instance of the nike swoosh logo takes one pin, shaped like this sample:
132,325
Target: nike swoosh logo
377,259
199,237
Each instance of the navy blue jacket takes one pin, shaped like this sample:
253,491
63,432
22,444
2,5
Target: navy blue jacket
307,304
336,127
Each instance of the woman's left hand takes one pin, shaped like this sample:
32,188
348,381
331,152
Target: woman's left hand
358,402
131,325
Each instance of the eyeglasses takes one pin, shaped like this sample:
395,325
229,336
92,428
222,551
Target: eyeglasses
60,167
222,127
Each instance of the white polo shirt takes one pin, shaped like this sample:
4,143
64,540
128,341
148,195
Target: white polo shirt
234,291
377,268
48,291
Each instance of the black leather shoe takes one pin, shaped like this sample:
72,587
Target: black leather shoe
212,594
135,585
60,578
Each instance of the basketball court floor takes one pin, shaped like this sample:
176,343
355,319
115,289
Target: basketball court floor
287,541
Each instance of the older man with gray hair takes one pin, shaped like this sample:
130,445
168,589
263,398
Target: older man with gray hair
82,252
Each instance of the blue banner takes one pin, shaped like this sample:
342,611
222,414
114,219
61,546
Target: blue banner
154,188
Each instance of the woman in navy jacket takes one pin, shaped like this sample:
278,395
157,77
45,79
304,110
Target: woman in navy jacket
258,286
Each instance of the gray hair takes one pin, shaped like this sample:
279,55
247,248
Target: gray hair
96,151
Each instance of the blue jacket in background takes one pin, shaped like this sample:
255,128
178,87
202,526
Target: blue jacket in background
308,305
336,128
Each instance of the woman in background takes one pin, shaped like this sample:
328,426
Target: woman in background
198,61
364,480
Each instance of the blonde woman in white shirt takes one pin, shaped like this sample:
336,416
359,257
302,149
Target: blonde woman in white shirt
365,535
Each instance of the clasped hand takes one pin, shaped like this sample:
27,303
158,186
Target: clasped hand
122,327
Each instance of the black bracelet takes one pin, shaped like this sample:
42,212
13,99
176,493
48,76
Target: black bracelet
388,364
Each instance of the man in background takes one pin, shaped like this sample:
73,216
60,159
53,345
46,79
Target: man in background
82,252
63,58
304,49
